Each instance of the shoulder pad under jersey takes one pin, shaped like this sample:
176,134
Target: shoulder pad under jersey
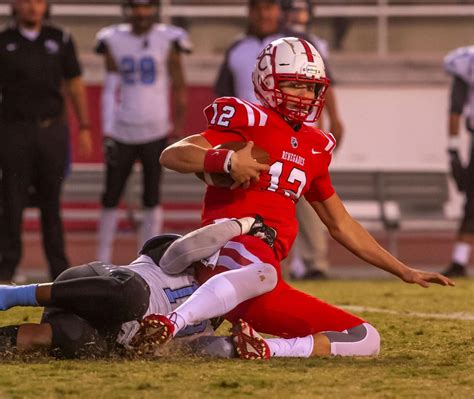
176,35
232,113
324,140
460,62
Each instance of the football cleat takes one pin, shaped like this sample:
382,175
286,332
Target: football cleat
455,270
154,330
248,343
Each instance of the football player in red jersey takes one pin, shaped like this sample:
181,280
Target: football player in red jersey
290,81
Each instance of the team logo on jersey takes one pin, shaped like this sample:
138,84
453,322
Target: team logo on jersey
52,47
11,47
294,142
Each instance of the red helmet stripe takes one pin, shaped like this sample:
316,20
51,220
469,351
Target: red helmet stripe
309,54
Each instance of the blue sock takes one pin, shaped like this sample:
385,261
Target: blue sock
17,295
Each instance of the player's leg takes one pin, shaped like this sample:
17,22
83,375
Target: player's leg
17,170
152,223
311,245
25,337
465,240
361,340
96,292
326,329
51,159
238,276
62,334
289,313
119,159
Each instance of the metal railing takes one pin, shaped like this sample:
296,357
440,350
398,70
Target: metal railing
381,10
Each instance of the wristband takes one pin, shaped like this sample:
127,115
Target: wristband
217,161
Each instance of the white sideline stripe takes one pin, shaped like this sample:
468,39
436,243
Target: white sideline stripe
443,316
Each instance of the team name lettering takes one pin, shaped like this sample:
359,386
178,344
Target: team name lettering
288,156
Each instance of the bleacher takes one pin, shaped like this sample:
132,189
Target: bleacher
384,200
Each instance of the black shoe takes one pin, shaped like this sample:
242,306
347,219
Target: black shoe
455,270
315,275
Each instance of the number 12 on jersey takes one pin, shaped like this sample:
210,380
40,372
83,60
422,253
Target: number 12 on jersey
296,176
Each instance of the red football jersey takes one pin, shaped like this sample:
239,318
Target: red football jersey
299,162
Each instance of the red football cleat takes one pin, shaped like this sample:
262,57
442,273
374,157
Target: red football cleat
248,343
155,330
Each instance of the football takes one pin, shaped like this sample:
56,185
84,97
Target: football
224,179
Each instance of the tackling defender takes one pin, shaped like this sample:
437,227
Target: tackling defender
290,82
92,308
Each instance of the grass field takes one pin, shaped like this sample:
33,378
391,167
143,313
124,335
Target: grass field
427,352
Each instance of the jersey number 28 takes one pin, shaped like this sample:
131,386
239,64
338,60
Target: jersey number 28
134,71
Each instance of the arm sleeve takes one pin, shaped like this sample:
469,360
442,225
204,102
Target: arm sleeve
70,64
197,245
108,100
459,94
224,86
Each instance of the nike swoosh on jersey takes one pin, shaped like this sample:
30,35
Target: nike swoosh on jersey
315,152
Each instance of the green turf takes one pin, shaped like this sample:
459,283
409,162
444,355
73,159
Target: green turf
421,357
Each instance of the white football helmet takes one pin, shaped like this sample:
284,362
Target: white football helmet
290,59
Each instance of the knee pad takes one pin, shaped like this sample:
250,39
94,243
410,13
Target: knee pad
361,340
74,337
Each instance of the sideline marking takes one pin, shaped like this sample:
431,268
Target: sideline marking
444,316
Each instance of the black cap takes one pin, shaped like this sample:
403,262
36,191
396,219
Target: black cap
253,3
134,3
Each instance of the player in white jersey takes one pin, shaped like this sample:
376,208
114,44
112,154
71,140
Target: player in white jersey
142,59
95,308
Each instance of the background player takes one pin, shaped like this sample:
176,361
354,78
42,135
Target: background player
460,64
290,81
142,59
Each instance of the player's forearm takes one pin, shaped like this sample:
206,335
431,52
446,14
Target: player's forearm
358,240
184,157
77,92
198,245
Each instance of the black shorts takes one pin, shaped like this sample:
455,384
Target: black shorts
92,308
120,158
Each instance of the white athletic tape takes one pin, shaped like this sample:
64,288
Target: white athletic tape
444,316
